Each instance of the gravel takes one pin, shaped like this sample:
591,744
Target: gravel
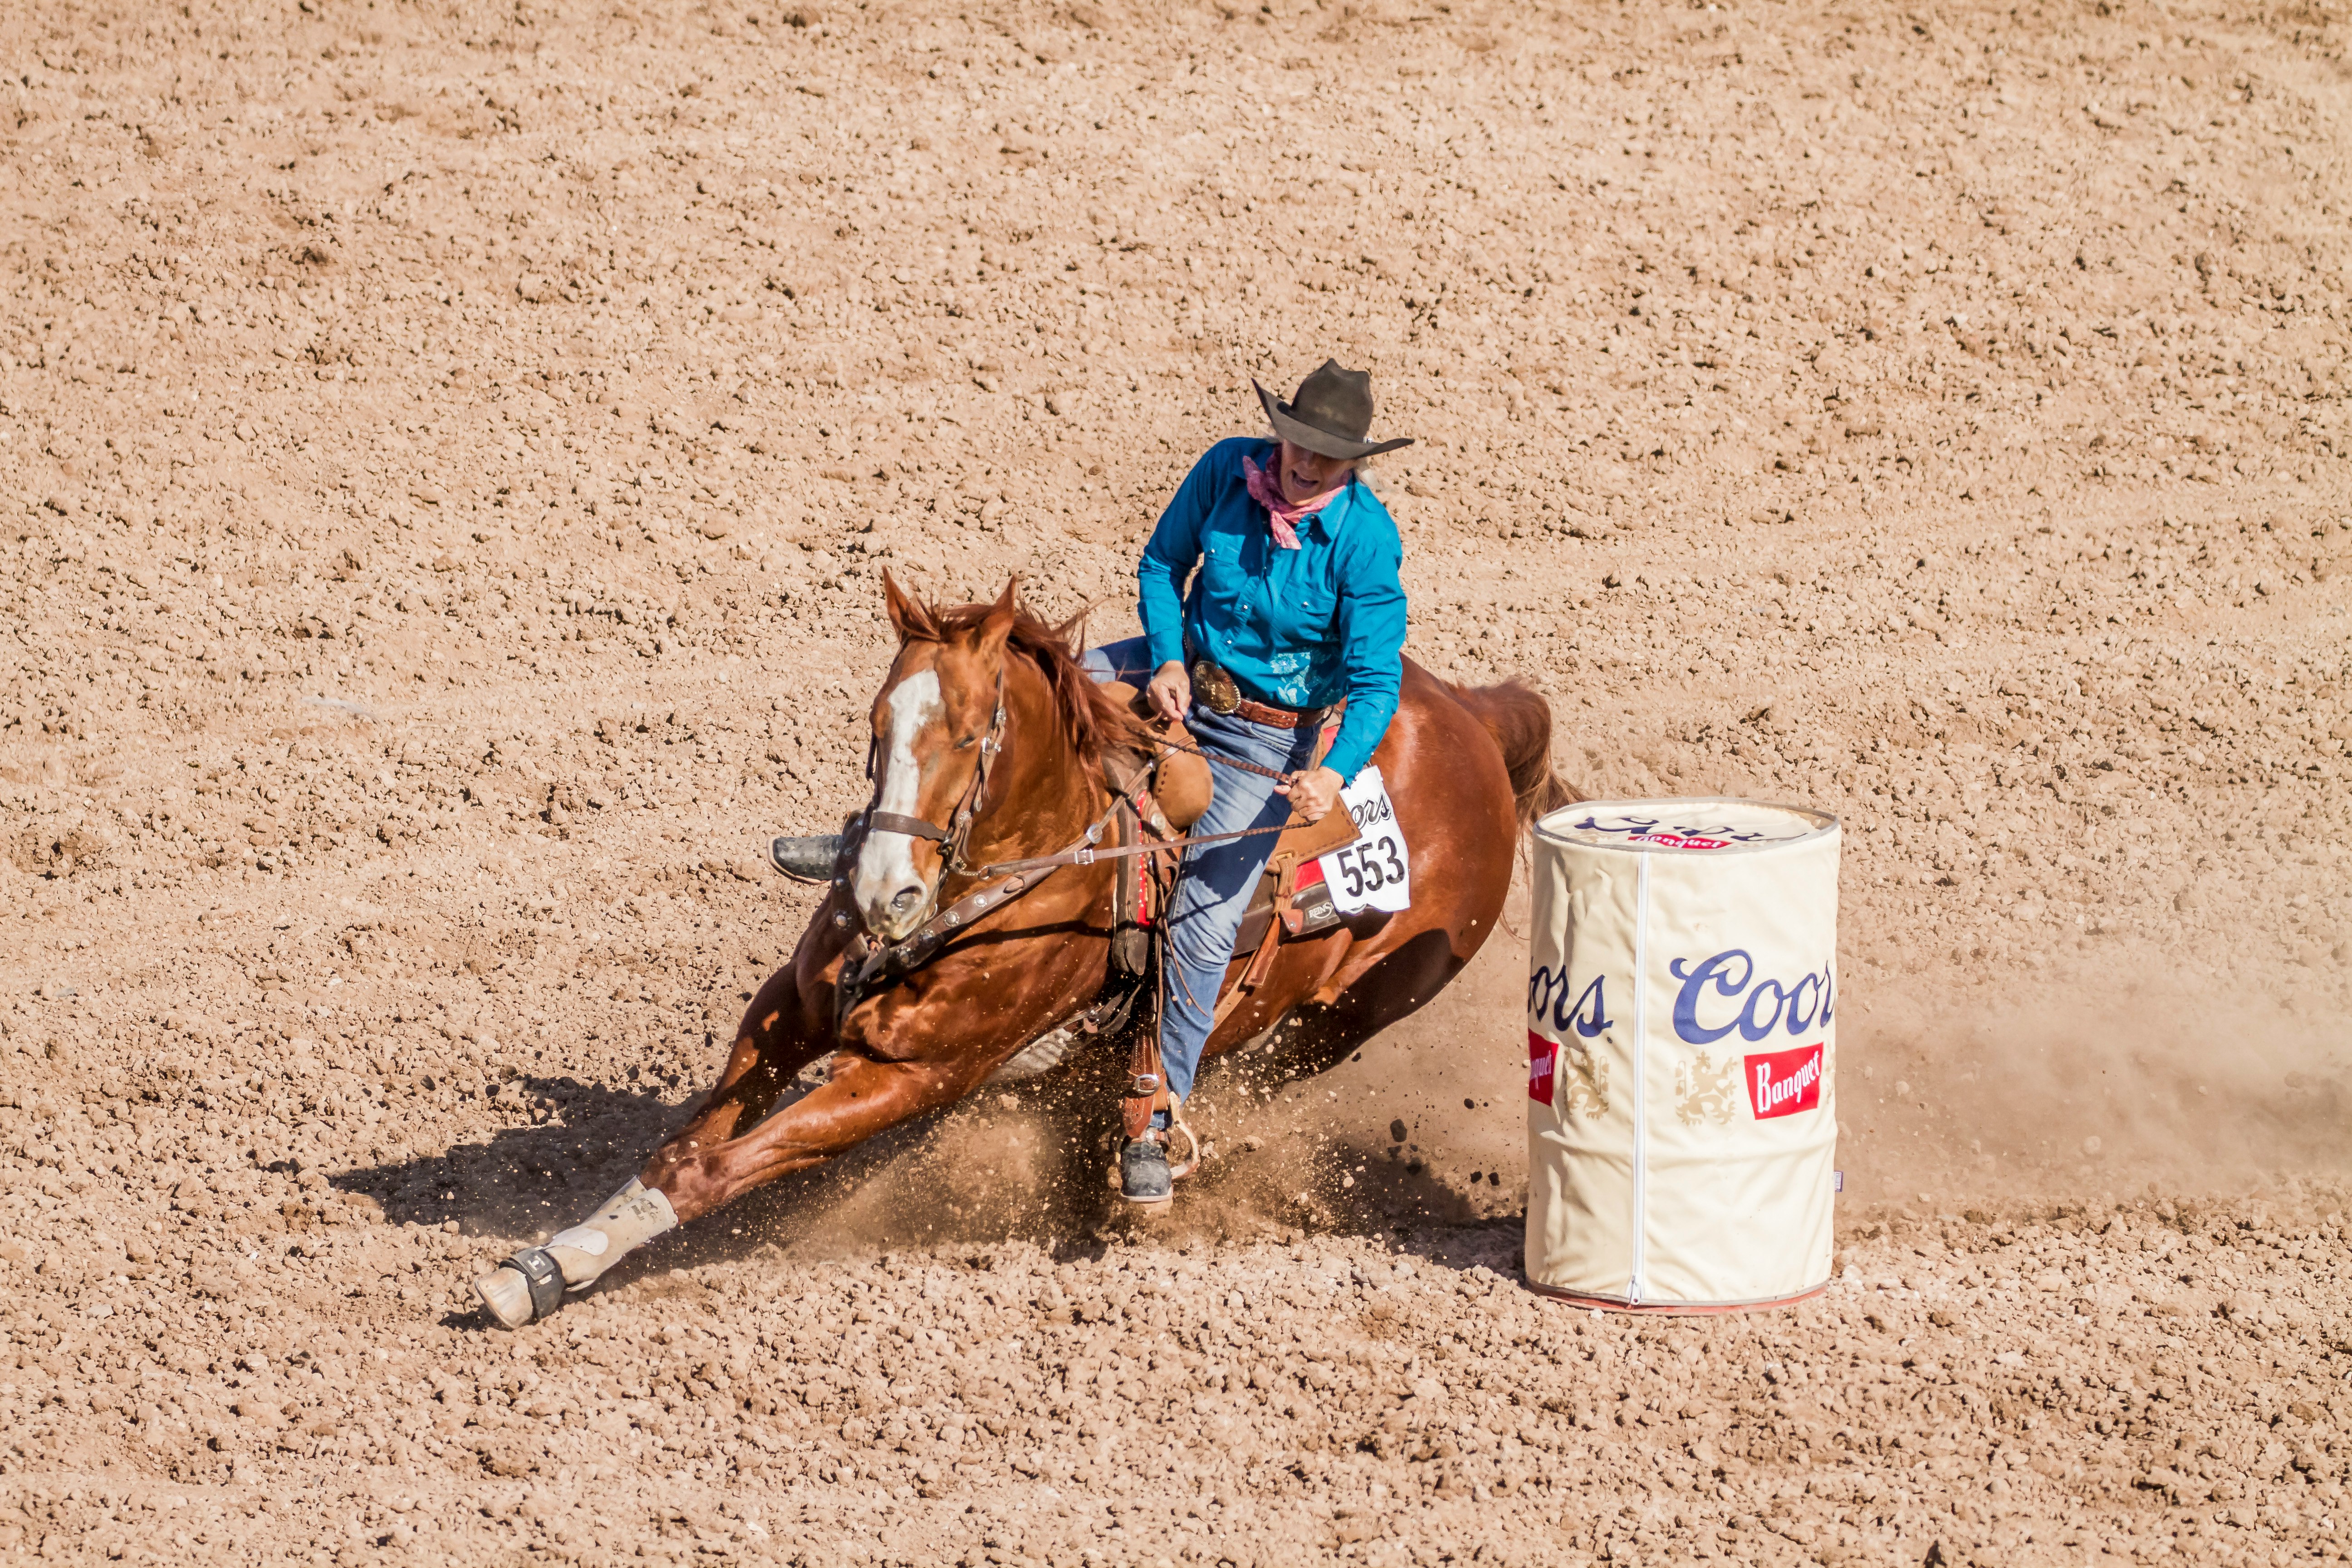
446,462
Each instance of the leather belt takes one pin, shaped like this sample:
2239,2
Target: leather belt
1279,718
1216,687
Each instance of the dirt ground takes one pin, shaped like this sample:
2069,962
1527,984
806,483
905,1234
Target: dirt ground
447,454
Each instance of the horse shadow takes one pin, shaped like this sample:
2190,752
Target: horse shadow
521,1179
941,1182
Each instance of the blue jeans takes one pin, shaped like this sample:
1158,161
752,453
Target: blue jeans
1214,891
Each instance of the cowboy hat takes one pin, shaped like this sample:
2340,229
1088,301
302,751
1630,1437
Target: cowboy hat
1331,413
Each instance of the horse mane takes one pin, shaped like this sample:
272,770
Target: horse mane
1095,720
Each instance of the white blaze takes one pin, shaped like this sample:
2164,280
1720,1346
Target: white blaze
885,867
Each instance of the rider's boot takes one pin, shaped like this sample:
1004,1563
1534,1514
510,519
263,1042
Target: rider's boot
807,858
1143,1176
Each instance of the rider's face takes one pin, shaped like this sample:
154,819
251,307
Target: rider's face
1304,475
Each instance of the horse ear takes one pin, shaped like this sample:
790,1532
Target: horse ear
908,618
998,626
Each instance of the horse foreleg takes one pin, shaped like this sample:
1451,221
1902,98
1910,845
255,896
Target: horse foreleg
768,1055
775,1042
697,1172
533,1283
696,1175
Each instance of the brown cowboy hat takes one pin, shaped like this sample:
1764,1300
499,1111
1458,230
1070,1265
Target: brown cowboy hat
1331,413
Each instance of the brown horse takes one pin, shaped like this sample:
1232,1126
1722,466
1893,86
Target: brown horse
989,742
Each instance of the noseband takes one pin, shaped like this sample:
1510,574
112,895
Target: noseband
951,838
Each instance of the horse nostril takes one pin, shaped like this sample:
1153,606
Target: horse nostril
904,900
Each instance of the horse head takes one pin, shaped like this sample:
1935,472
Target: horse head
937,720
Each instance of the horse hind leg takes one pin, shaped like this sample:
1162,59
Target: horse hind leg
1315,1036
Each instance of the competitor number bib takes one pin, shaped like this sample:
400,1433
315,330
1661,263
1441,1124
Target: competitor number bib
1372,873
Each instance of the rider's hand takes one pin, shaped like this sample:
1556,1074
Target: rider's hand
1311,794
1170,692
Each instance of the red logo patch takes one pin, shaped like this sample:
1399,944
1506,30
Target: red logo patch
1782,1083
1543,1057
1678,841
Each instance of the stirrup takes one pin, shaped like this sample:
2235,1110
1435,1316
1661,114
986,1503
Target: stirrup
1196,1152
1180,1169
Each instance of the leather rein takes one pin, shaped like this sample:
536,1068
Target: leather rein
1085,854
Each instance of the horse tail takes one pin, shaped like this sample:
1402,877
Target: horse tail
1520,721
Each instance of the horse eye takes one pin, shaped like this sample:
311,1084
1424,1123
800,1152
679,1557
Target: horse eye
967,743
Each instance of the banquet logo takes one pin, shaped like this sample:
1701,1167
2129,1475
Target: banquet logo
1802,1005
1567,1076
1679,841
1782,1083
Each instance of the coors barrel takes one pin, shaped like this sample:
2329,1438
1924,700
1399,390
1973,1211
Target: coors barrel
1681,1048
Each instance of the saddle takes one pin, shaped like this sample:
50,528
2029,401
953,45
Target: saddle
1169,792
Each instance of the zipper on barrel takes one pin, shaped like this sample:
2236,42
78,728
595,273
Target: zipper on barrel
1640,1079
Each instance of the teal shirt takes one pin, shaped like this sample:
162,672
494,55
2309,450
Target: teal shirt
1297,628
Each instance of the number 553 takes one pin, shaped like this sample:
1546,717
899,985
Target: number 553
1369,867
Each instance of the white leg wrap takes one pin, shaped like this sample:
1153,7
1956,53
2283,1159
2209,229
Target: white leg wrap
630,1218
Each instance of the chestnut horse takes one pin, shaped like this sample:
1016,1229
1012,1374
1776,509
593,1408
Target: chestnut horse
988,721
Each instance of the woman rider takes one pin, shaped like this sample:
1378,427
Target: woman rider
1295,607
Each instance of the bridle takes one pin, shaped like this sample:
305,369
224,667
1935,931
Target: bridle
864,961
952,838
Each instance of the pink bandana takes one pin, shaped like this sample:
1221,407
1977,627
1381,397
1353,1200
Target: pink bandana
1280,515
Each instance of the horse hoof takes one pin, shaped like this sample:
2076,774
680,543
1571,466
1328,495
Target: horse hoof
506,1294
